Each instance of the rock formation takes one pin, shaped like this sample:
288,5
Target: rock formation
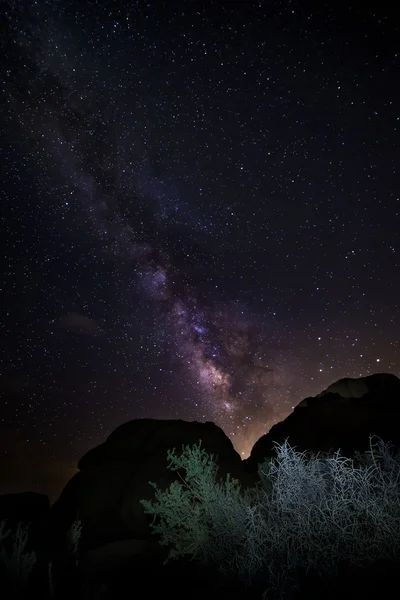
114,477
341,417
25,507
117,544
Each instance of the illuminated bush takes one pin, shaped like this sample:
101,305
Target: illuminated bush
310,512
331,510
199,516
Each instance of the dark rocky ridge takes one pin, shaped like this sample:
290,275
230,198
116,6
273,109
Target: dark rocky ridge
114,476
26,507
341,417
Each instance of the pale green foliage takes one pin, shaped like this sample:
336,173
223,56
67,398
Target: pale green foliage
190,514
73,538
17,563
4,533
309,512
50,579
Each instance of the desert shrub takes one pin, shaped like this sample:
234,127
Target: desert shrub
64,573
73,539
308,513
199,516
328,511
16,563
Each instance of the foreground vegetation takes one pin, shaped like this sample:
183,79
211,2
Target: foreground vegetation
309,514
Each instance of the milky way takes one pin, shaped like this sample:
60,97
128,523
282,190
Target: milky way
216,204
220,351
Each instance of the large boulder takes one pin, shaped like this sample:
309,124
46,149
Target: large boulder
113,477
25,507
340,418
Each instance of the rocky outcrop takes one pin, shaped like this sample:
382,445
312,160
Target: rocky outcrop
26,507
118,546
114,477
341,417
383,385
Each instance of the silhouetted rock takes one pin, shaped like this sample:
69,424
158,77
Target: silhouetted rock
118,546
115,476
342,417
26,507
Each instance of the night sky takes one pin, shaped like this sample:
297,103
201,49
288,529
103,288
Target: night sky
201,216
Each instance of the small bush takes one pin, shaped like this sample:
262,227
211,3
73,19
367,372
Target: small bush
16,563
328,511
198,516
